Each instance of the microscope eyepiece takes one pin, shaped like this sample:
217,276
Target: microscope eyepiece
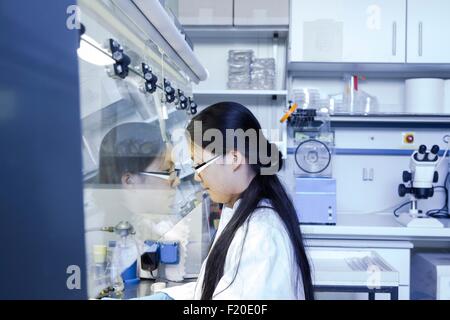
435,149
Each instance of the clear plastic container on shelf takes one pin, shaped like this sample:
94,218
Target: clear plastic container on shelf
350,90
240,55
238,85
336,103
263,74
239,69
306,98
365,103
357,101
362,103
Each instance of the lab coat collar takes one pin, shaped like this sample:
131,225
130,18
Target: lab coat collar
235,205
227,214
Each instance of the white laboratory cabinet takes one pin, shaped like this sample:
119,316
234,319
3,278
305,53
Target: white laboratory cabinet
428,31
261,12
206,12
348,31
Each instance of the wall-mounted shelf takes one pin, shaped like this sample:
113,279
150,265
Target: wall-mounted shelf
374,70
428,121
236,32
247,93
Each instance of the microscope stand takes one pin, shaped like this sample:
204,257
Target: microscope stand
416,219
409,220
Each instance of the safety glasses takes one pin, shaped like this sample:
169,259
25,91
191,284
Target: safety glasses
199,168
164,175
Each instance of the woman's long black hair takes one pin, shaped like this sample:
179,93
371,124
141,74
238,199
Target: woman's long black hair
230,115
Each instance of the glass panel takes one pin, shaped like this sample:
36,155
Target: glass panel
139,189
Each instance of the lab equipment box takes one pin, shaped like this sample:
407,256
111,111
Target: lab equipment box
315,200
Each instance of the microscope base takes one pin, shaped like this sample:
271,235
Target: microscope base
418,222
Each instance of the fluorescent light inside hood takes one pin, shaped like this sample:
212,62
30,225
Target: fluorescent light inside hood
92,52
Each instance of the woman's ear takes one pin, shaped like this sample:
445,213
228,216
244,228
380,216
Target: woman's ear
237,159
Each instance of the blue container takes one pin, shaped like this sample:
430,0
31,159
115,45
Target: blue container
169,252
130,276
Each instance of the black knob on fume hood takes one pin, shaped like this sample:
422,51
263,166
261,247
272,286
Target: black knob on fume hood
193,106
150,87
169,91
182,100
121,59
150,78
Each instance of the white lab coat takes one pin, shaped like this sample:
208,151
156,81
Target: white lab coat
267,268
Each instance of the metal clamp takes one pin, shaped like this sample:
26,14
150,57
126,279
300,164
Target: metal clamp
182,100
193,106
150,79
169,91
122,60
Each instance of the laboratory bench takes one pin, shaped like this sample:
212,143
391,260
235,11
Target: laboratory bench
138,290
380,233
381,226
143,288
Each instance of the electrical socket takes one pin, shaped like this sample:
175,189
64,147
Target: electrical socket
368,174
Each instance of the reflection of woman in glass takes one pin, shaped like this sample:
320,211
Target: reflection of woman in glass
136,168
134,157
134,154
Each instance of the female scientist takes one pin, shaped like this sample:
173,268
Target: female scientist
258,251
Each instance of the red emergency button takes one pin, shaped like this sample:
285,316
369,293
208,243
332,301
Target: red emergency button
409,138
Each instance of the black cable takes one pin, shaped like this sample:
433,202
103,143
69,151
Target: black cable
401,206
444,211
441,214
